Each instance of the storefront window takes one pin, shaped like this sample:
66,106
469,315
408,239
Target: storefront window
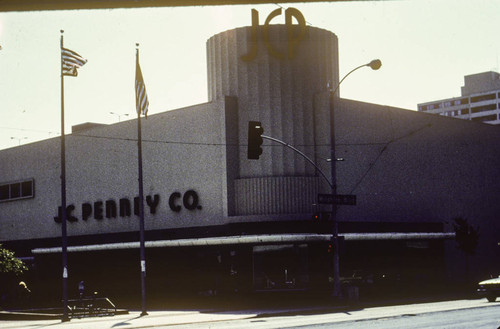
281,267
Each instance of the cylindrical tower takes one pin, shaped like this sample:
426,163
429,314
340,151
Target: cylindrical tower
278,74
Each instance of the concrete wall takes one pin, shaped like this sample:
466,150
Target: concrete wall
480,82
183,150
403,166
407,166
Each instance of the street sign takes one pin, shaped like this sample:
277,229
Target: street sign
338,199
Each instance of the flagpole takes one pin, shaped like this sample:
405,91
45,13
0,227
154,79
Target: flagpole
141,205
64,238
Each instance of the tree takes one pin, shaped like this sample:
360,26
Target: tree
11,269
9,264
467,237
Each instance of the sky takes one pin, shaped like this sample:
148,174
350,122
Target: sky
426,48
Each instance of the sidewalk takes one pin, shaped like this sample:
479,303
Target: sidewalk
134,320
166,318
204,313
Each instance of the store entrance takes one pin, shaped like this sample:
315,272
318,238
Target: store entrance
280,267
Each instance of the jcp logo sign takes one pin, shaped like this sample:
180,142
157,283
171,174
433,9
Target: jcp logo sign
295,33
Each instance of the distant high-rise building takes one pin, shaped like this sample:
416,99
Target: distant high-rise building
480,100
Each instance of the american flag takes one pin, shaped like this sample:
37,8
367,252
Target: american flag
141,97
71,61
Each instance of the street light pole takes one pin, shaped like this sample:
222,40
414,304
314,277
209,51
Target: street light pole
337,291
119,115
19,139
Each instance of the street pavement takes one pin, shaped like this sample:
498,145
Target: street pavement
206,316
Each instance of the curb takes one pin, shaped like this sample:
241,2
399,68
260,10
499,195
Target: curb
26,316
5,315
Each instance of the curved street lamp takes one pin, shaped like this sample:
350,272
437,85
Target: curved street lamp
19,139
119,115
374,65
337,293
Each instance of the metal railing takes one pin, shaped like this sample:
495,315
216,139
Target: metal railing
90,306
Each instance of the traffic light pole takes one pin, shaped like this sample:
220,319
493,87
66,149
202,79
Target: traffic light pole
337,292
255,137
301,153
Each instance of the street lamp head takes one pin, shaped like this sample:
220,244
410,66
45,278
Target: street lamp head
375,64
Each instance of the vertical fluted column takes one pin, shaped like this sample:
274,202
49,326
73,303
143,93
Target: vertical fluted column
277,92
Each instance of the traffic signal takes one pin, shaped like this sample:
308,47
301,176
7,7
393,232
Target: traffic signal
255,140
340,243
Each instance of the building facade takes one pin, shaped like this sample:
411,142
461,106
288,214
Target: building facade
479,101
219,222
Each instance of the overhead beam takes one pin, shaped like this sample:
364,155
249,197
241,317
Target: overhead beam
251,240
45,5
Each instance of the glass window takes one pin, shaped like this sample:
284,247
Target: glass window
483,108
17,190
4,192
27,188
482,98
485,118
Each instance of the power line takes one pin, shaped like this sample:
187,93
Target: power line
220,144
31,130
395,139
385,144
